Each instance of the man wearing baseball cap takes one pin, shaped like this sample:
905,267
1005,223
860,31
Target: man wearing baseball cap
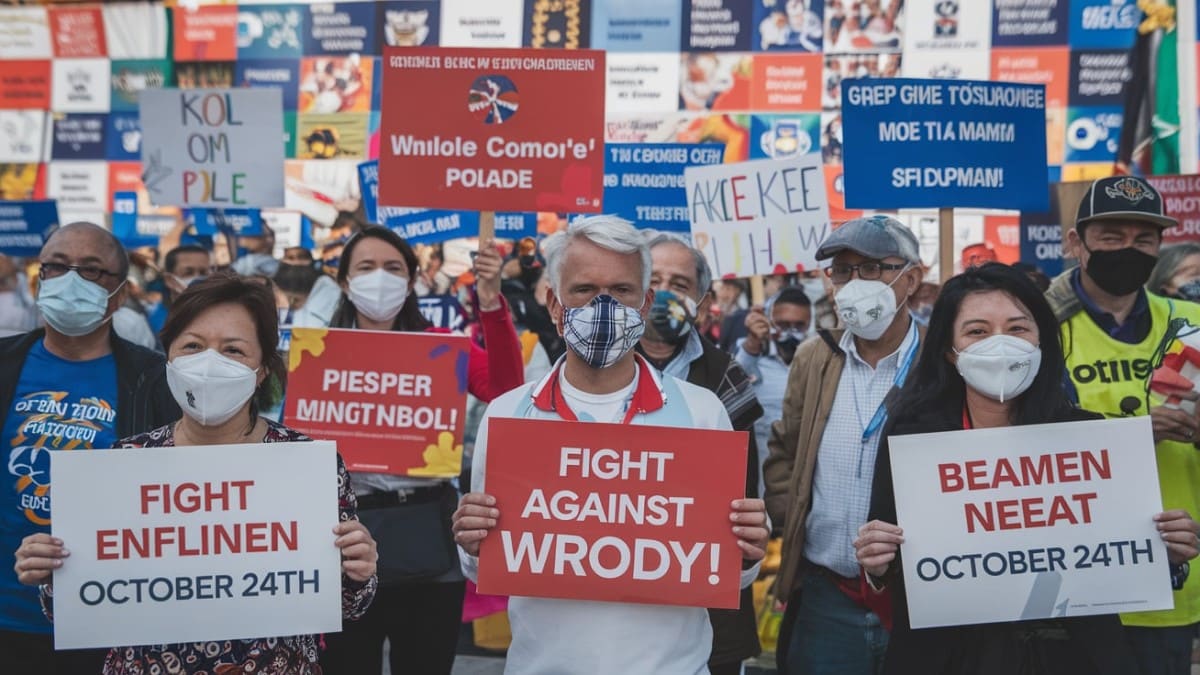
822,452
1114,336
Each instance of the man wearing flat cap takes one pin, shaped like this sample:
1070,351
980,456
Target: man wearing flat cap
822,452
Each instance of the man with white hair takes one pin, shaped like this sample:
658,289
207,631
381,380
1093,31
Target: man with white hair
599,272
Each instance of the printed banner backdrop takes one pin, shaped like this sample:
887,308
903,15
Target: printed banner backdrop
613,512
929,143
215,148
171,530
761,217
1026,523
760,77
407,422
490,134
1181,201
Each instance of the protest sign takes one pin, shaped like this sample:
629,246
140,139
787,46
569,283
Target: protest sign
761,217
643,182
613,512
933,144
404,419
433,226
443,311
490,133
24,227
1181,201
125,221
213,147
1031,522
196,544
240,222
368,185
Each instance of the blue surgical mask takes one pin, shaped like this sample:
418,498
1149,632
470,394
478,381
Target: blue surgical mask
602,331
73,305
671,316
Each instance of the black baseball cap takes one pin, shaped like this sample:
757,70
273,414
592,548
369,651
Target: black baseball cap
1126,198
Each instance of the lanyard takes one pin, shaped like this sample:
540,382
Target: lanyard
902,374
967,418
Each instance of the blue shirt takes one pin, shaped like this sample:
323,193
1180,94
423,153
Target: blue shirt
1137,324
57,405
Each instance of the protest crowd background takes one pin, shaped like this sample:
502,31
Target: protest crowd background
600,336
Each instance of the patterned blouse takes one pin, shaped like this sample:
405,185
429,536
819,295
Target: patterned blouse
295,655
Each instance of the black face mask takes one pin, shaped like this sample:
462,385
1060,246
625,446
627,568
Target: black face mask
1120,272
787,348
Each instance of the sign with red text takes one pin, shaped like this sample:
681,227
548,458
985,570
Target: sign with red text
1181,201
762,217
394,402
1030,522
196,544
487,130
215,148
613,512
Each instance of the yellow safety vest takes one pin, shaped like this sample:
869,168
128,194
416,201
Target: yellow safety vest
1110,378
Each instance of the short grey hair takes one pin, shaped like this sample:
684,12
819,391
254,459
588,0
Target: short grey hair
704,277
1169,260
608,232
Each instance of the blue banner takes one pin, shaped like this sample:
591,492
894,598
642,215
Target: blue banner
443,311
124,138
637,25
1029,23
643,182
911,143
368,187
124,221
282,73
341,28
79,136
433,226
271,31
242,222
1041,244
1103,24
24,226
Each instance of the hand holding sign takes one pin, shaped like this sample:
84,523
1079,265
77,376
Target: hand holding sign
1181,535
877,545
487,275
474,517
359,551
39,555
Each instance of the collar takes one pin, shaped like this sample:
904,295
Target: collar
692,350
648,396
1105,319
851,349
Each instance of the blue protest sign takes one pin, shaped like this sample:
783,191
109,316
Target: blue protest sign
281,73
912,143
643,182
243,222
443,311
270,31
125,221
1041,244
24,226
637,26
368,187
432,226
1103,24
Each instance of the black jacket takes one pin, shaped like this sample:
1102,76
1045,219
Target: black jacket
143,400
955,650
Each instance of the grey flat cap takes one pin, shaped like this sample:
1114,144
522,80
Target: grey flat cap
876,237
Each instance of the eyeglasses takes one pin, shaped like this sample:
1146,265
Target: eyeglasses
51,270
869,271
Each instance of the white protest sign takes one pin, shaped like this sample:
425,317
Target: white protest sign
217,542
1030,522
761,217
213,147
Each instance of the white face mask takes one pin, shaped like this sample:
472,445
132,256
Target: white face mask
867,307
814,289
1000,367
184,282
73,305
210,388
379,294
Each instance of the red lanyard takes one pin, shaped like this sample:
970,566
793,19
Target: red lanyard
967,418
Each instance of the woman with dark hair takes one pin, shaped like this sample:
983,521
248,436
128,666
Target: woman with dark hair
221,339
991,358
419,606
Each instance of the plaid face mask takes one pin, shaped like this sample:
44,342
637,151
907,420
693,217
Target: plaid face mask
602,331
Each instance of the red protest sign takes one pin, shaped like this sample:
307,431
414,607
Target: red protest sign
1181,201
492,129
394,402
613,512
